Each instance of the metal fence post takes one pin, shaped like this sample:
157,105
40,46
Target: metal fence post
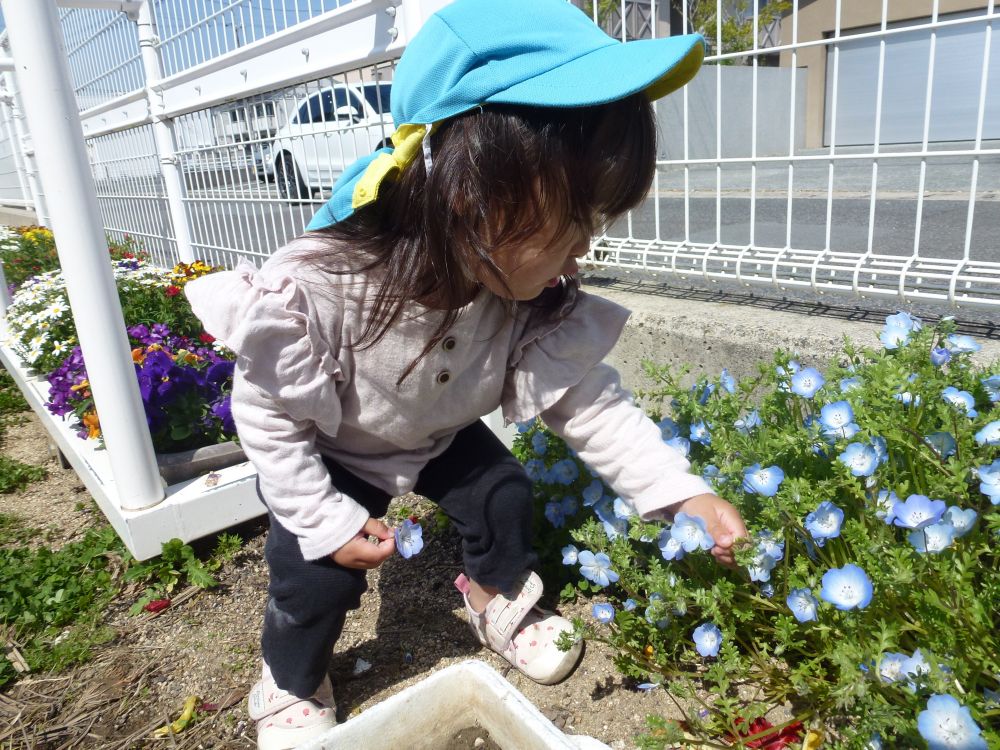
163,132
26,146
15,150
51,111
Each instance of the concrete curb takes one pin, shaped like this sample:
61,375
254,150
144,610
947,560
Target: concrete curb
711,335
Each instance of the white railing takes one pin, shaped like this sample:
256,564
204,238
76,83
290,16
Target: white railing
836,148
858,200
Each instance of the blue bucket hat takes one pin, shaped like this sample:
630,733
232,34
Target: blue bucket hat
543,53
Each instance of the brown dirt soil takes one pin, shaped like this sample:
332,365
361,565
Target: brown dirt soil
411,624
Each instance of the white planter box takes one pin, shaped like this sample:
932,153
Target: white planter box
191,509
426,715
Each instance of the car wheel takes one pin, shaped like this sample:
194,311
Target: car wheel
290,184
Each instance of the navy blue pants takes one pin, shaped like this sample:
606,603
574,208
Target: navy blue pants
479,485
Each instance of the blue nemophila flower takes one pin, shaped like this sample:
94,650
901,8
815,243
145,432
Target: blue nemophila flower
670,548
874,742
707,639
807,381
992,386
885,506
948,725
942,443
880,448
707,391
934,538
768,544
785,374
656,613
596,568
622,509
904,320
593,493
939,356
961,400
523,427
539,444
700,433
847,588
763,481
647,686
860,458
570,554
761,566
989,481
409,539
915,668
668,428
564,472
906,398
749,423
727,381
990,434
824,522
615,528
892,666
803,604
767,590
680,444
557,510
604,613
535,469
961,520
691,532
893,337
991,698
849,384
712,475
837,420
960,344
917,512
629,604
836,415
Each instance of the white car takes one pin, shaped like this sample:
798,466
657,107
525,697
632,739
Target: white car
328,131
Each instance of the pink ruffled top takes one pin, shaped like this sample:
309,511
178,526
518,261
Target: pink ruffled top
300,391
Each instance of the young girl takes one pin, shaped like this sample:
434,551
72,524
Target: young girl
438,283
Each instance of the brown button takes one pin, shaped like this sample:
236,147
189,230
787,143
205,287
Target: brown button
448,344
443,377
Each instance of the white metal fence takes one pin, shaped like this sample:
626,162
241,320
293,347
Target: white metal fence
837,146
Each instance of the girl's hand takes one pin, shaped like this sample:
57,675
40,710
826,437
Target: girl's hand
364,555
722,520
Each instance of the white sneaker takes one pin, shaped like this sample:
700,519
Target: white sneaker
285,721
523,634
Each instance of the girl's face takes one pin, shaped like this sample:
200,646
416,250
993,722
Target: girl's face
535,264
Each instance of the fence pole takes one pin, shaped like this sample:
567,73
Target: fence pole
15,146
163,131
26,146
51,112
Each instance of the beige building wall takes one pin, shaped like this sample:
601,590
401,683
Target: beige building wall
817,20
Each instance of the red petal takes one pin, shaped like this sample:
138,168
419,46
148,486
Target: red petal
157,605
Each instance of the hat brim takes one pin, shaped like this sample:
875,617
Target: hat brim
656,66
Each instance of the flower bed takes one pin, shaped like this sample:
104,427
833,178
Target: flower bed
184,378
865,601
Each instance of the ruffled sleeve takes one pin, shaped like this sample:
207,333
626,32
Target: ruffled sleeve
558,374
284,389
551,358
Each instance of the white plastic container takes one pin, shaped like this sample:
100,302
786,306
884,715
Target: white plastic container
426,715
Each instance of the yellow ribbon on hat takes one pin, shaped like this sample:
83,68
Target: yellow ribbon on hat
407,142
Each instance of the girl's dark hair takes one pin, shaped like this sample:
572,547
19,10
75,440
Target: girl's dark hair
500,174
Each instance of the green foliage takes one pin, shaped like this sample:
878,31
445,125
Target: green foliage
53,601
176,563
11,399
737,28
833,671
15,475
